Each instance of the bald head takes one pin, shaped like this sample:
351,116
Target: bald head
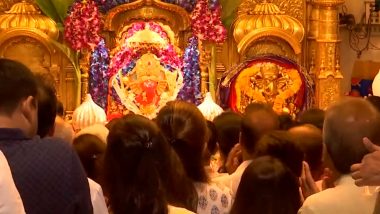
345,126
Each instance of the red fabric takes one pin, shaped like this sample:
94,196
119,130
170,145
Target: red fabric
149,94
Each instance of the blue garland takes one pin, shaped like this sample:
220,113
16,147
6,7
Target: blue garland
106,5
213,4
191,91
98,75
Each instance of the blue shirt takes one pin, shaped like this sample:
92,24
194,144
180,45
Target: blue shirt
47,173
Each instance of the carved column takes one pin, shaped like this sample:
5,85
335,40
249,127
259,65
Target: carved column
84,67
324,51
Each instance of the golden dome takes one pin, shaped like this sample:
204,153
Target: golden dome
266,19
27,15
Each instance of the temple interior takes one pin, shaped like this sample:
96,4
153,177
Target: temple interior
138,55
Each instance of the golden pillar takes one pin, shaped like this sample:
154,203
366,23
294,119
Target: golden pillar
324,51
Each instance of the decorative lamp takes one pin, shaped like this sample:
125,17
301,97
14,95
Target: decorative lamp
376,85
209,108
26,15
88,114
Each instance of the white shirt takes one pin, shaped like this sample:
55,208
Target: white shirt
345,198
213,198
10,200
232,181
97,198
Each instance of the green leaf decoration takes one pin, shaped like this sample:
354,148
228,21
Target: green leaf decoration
55,9
229,11
48,9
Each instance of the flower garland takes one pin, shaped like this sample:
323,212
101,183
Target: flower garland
186,4
206,23
83,25
98,74
139,26
191,90
106,5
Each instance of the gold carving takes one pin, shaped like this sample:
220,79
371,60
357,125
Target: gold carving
328,89
28,16
267,83
266,19
293,8
143,10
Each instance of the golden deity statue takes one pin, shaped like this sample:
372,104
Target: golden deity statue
269,83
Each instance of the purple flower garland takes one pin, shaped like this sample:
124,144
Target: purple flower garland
191,91
98,74
188,5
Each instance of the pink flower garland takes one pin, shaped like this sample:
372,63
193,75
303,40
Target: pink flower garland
207,24
124,57
83,25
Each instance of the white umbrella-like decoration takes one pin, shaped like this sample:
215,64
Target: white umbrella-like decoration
209,108
376,85
88,114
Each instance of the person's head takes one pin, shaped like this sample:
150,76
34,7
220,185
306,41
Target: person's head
375,101
60,109
285,121
186,129
18,97
228,126
142,173
312,116
212,143
346,124
90,150
281,145
267,186
309,139
258,120
47,107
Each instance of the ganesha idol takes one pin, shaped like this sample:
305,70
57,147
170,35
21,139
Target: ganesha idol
146,70
273,81
148,87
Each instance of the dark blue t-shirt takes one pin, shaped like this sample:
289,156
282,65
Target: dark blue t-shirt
47,173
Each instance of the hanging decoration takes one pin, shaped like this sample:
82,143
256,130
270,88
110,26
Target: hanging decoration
83,25
192,84
98,74
206,23
209,108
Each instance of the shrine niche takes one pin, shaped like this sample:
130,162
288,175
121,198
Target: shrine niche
145,39
273,64
25,36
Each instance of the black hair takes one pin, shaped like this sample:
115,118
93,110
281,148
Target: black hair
60,109
258,120
185,128
228,126
91,150
281,145
267,186
313,116
142,173
47,106
17,82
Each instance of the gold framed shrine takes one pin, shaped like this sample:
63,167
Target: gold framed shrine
283,35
